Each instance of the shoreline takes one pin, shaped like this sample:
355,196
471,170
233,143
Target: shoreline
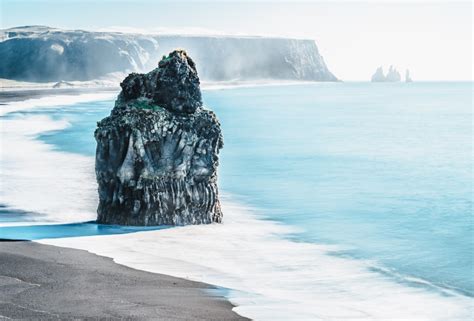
9,95
45,281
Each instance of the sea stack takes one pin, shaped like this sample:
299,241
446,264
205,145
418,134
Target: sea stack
378,76
407,76
392,75
157,152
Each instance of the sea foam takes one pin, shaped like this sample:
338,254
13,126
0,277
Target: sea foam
273,278
57,186
57,100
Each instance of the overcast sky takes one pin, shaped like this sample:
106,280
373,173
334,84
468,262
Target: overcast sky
432,39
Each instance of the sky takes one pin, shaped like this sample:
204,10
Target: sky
432,39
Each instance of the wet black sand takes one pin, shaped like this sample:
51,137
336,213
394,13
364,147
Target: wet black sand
47,282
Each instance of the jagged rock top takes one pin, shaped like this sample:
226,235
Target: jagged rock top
174,85
83,55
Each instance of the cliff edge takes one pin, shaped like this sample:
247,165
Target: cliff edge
157,152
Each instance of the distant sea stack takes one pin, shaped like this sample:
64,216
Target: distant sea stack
44,54
392,76
407,76
378,76
157,152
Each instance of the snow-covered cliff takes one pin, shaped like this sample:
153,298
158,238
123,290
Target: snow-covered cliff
38,53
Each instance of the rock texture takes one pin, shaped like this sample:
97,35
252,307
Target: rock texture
157,153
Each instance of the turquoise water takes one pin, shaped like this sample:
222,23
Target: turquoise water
382,170
53,231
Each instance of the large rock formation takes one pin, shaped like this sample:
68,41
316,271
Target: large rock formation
157,153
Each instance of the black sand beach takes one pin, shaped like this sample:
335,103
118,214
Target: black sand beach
47,282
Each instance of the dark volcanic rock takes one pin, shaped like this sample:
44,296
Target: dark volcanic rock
180,96
157,153
174,85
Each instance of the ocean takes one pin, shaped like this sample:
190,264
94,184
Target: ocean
341,200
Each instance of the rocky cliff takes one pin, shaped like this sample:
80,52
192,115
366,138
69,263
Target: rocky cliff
157,153
38,53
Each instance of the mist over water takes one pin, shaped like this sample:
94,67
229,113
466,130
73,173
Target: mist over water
373,180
